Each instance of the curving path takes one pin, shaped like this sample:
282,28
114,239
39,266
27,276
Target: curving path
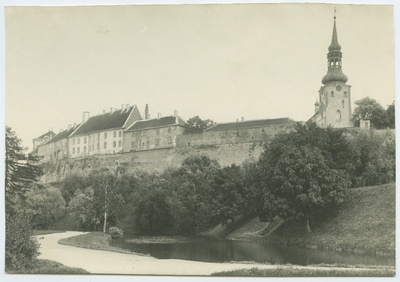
104,262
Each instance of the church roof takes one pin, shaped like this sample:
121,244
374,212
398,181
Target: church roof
106,121
334,74
335,46
250,123
156,122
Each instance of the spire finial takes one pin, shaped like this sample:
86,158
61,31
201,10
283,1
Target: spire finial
334,13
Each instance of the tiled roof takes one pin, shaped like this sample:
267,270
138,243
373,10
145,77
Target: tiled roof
250,123
106,121
157,122
62,135
49,133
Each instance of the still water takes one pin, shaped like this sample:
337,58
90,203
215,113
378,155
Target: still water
199,248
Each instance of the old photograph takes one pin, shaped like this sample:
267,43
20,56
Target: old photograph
207,139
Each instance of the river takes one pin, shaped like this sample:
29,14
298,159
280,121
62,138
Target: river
198,248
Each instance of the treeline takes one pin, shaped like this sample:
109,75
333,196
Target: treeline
303,175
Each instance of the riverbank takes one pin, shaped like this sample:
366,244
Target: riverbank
107,262
365,224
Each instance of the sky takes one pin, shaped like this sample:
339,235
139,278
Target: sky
220,62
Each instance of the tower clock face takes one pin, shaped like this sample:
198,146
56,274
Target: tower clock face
338,87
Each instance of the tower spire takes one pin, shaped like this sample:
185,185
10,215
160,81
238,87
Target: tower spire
334,58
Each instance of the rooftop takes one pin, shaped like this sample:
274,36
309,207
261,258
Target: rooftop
62,135
250,123
156,122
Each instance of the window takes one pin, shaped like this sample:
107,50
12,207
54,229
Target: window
98,146
157,141
105,145
115,134
169,140
78,140
133,145
119,143
345,94
158,131
73,150
332,94
84,140
114,144
84,149
105,135
120,133
343,104
338,117
79,150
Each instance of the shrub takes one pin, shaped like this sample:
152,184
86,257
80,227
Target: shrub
115,232
21,248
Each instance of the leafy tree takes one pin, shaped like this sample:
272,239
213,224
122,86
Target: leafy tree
368,107
300,177
390,114
21,248
82,208
197,123
71,183
45,205
21,170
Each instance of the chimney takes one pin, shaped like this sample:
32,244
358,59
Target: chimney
242,119
128,106
85,116
61,130
175,113
50,129
159,115
146,112
122,107
111,110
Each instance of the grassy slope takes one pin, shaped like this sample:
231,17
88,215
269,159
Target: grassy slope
365,223
45,266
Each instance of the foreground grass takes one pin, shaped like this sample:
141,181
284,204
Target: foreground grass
45,266
364,224
96,241
288,271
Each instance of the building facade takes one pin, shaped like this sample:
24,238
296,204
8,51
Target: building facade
334,105
157,133
102,134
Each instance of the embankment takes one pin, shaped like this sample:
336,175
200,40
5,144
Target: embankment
364,224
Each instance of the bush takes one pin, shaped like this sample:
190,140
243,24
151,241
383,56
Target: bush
21,249
115,232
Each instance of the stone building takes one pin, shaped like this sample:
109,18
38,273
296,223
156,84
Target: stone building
43,138
154,133
237,132
334,105
56,147
102,134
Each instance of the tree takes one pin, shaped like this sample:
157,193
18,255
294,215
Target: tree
82,208
196,123
368,107
390,114
21,170
44,205
300,178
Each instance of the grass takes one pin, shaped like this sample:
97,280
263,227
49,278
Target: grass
45,266
364,224
96,241
288,271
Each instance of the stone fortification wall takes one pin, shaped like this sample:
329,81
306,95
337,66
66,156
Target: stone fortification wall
152,160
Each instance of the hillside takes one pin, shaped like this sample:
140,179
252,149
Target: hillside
364,224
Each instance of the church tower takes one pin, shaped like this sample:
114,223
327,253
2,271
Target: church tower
334,106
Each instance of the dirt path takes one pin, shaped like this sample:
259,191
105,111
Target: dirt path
104,262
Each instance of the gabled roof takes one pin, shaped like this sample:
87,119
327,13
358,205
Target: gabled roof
62,135
156,122
106,121
250,123
49,133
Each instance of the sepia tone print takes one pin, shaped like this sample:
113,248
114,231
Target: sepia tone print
198,140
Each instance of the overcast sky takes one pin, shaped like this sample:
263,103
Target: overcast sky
222,62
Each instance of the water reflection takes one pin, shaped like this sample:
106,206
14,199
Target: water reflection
221,250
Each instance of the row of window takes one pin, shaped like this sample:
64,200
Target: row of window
78,139
91,147
344,94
